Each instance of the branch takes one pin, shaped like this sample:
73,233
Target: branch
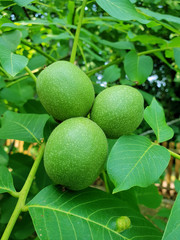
23,195
73,54
52,59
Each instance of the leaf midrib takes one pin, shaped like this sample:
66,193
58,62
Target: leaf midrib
26,130
78,216
137,162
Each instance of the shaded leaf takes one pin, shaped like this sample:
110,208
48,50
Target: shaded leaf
61,215
7,205
138,68
136,161
23,3
175,42
148,196
122,10
172,230
118,45
4,158
34,106
160,16
19,93
3,107
50,125
11,62
6,181
25,127
25,223
21,165
37,61
177,56
111,74
10,40
154,116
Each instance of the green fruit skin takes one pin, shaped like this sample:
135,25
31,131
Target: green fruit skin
75,153
118,110
65,90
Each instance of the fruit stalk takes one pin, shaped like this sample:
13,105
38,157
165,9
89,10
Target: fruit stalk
23,195
74,49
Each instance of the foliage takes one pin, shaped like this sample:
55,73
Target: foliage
130,42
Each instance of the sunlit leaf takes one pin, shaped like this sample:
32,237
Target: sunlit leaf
138,68
25,127
136,161
172,230
86,214
122,10
154,116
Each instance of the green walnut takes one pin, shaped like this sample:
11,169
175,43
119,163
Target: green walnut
75,153
65,91
118,110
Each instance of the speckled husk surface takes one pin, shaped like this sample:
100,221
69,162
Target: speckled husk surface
65,90
118,110
75,153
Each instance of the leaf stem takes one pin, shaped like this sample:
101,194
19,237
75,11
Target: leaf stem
153,50
6,73
95,70
74,49
29,44
31,74
23,195
175,155
105,181
14,194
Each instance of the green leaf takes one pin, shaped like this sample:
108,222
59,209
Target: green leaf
10,40
154,116
34,106
23,3
177,185
138,68
118,45
4,158
112,73
160,16
175,42
11,62
6,181
25,127
172,230
177,56
149,196
3,107
24,227
21,165
122,10
86,214
148,97
7,204
148,39
19,93
136,161
37,61
50,125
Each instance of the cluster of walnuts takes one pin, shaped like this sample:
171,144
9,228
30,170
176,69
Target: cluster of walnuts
76,150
